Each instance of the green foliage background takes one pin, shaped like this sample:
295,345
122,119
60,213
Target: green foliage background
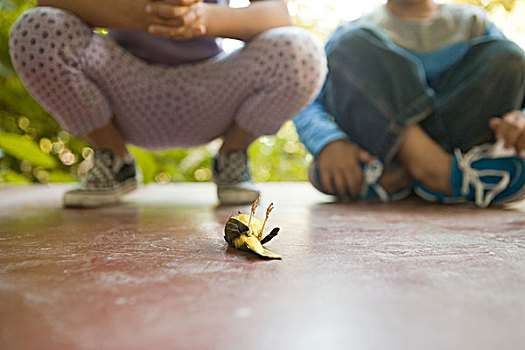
33,148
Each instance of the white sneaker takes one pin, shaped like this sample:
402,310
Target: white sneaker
105,183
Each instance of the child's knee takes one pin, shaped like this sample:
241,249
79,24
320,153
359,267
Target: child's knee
43,36
295,59
509,60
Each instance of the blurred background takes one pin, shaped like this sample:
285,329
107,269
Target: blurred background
33,148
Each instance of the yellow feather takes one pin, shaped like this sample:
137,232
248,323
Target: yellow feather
254,245
255,224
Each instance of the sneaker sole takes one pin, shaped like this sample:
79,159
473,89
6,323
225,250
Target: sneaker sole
228,197
516,197
431,198
94,199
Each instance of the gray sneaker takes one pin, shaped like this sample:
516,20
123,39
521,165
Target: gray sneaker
108,179
233,179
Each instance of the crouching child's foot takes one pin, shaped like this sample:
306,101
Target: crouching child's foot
105,183
232,177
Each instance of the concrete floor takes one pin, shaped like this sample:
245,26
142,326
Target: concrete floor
155,273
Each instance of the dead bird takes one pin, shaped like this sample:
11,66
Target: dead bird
246,233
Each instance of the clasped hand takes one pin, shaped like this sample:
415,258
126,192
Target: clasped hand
176,19
511,130
340,169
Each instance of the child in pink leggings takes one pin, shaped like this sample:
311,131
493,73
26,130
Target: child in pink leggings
160,80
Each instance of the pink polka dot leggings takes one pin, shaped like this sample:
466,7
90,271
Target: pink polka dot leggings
85,80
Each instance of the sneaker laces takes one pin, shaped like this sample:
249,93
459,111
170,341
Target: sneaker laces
102,173
372,172
484,192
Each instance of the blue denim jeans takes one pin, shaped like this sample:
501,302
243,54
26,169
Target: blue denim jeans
375,90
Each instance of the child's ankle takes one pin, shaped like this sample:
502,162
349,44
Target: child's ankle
438,177
395,180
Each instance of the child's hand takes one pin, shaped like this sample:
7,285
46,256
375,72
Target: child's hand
510,129
177,19
340,169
